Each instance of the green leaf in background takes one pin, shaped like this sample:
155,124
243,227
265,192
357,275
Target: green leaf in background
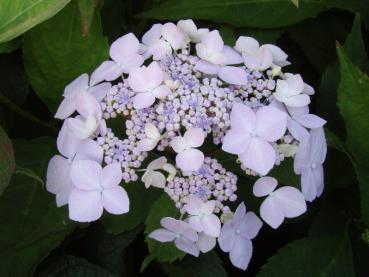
32,224
353,102
355,6
7,162
56,53
313,256
18,16
246,13
87,10
163,252
206,265
141,200
70,266
285,174
10,46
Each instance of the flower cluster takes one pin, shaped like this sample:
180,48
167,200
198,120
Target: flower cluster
180,95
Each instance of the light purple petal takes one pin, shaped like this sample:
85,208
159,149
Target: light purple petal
259,156
264,186
66,108
239,214
62,197
296,130
111,175
146,144
174,35
162,235
85,175
178,144
115,200
236,141
271,123
227,235
143,100
250,225
170,223
211,225
161,91
78,129
76,86
310,121
206,243
208,207
108,71
194,205
207,67
232,56
233,75
194,137
196,224
87,105
271,213
85,206
123,47
318,146
153,34
190,160
241,253
89,150
57,174
67,143
159,50
279,56
242,117
298,100
247,44
187,246
291,201
100,90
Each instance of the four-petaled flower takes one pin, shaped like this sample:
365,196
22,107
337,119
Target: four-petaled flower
151,140
188,158
154,178
251,134
236,235
285,202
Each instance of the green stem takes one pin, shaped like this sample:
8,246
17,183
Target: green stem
4,100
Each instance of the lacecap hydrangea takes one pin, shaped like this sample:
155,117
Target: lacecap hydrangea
177,87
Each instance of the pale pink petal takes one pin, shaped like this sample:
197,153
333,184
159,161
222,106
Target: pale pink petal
115,200
236,141
108,71
233,75
178,144
295,83
250,226
226,238
213,41
153,34
247,44
76,86
271,123
146,144
87,105
151,131
161,91
159,50
242,117
174,35
111,175
271,213
298,100
57,174
157,163
279,56
194,205
62,197
67,143
196,224
124,46
89,150
77,128
194,137
310,121
208,207
241,253
187,246
137,79
259,156
291,201
206,67
264,186
162,235
206,243
261,60
154,76
66,108
211,225
309,90
132,61
100,90
231,55
143,100
190,160
85,206
85,175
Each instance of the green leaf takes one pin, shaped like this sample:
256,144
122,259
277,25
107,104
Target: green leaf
18,16
141,200
56,53
87,10
285,174
247,13
34,225
7,162
10,46
163,252
353,102
313,256
355,6
28,172
206,265
70,266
